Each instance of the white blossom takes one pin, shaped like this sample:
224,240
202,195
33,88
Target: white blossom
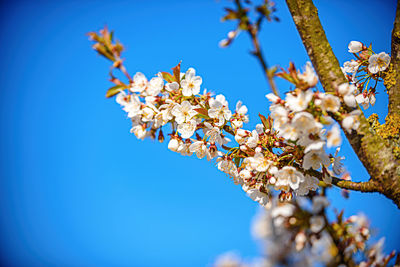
241,136
201,150
355,47
329,103
299,102
314,159
166,110
260,128
214,134
191,83
147,114
310,183
279,114
139,131
174,86
378,62
139,83
227,166
241,111
240,108
260,163
122,98
311,137
351,66
337,165
256,195
309,76
219,109
347,91
272,97
289,132
187,129
133,107
289,176
365,100
245,174
351,122
184,149
174,144
155,86
315,145
372,99
303,121
183,112
333,137
253,139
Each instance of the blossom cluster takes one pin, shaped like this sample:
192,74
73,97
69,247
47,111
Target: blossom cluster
288,151
300,233
279,153
368,66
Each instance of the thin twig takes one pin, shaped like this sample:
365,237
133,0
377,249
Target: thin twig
369,186
252,31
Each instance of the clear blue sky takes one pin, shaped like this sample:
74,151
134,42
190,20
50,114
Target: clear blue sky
77,189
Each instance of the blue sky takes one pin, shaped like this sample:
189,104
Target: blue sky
77,189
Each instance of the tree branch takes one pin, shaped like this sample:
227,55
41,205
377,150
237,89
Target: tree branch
369,186
392,81
372,150
252,31
364,187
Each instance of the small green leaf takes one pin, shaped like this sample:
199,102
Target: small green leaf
231,14
168,77
114,90
201,116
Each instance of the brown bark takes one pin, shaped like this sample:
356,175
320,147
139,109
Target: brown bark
393,84
372,150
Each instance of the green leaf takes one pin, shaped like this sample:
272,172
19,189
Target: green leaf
201,116
231,14
114,90
168,77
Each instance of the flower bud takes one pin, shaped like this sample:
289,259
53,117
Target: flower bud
355,47
173,144
160,136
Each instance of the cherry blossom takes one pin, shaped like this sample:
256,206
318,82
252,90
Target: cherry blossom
191,83
355,46
378,62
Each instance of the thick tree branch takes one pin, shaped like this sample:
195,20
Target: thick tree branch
392,81
372,150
